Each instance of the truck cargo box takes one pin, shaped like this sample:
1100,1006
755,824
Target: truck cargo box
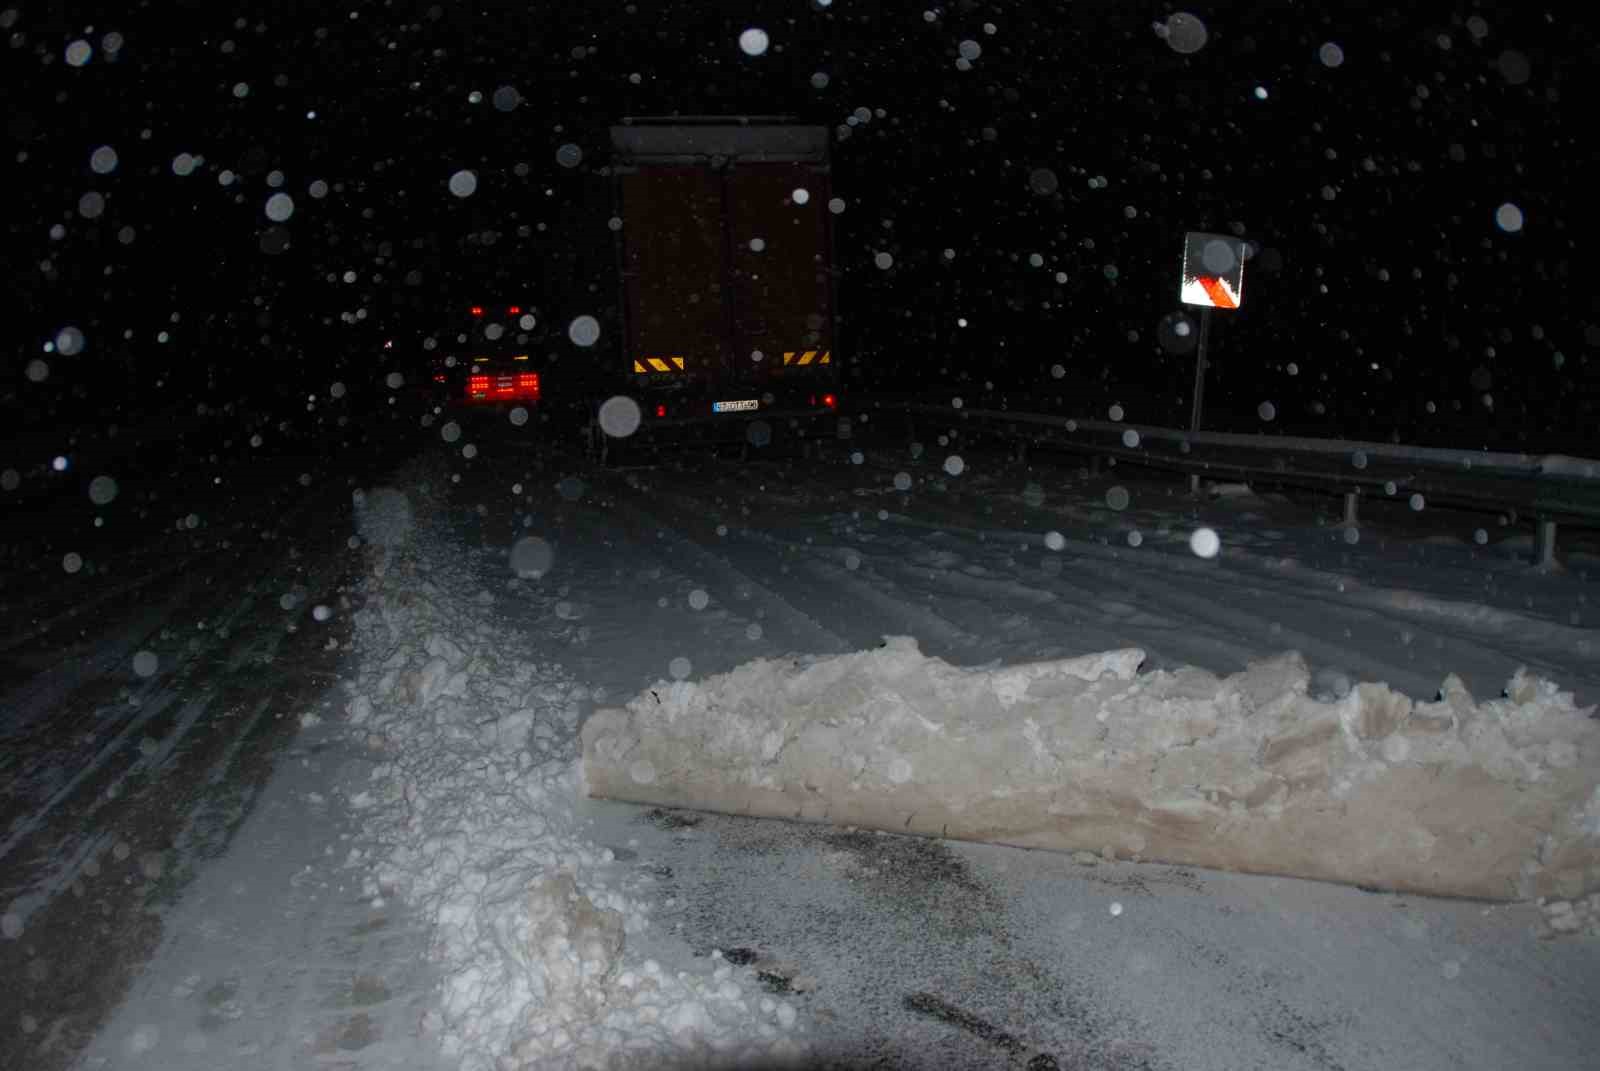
725,250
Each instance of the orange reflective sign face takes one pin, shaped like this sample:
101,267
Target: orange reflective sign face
1213,270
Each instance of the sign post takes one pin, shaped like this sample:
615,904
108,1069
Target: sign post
1212,278
1198,398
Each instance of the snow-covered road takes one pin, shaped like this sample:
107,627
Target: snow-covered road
140,631
963,564
431,805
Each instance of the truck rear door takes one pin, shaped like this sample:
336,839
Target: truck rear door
726,265
782,293
673,273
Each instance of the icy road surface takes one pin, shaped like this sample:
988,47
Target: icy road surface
153,668
307,930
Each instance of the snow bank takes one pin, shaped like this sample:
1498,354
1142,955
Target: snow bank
1249,772
470,818
383,516
384,521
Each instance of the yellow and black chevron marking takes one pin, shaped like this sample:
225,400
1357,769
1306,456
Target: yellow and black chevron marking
807,357
657,364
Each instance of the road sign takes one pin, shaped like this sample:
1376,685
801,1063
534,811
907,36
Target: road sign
1213,278
1213,271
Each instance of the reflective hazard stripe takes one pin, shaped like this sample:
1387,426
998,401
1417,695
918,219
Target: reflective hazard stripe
657,364
1219,292
804,357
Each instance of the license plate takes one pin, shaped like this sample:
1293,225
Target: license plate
740,406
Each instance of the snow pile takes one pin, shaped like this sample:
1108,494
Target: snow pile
1582,916
384,521
471,814
1570,912
1251,772
383,516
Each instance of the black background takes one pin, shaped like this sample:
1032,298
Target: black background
1392,163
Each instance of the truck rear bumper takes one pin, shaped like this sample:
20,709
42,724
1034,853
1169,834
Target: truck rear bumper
793,419
776,433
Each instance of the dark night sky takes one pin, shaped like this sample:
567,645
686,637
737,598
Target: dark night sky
1370,188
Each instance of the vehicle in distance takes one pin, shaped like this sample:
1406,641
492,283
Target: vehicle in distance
489,358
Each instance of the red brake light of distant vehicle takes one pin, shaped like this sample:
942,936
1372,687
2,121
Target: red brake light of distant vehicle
503,386
661,410
829,400
477,310
514,310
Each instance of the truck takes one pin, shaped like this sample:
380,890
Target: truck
725,253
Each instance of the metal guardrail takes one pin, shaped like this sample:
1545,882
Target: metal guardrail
1549,488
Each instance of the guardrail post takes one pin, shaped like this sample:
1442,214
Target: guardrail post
1547,545
1350,500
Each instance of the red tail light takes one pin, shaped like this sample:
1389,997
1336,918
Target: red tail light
514,310
477,310
661,410
503,386
829,400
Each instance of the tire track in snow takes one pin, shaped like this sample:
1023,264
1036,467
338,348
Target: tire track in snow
52,687
1283,599
279,961
223,606
910,574
101,761
30,823
805,632
1524,639
105,595
1268,637
1236,600
1480,631
1241,637
60,869
844,628
935,633
94,944
1064,595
